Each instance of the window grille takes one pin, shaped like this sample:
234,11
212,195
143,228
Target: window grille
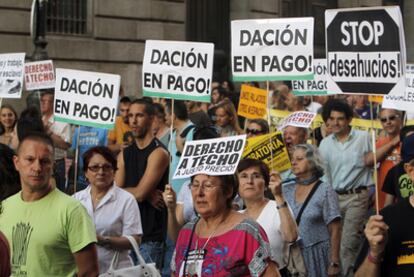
67,17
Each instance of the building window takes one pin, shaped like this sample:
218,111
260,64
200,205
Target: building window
67,17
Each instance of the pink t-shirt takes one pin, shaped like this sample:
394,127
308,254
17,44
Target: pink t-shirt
242,251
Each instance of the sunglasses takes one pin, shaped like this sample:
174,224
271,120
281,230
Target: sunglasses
253,131
390,118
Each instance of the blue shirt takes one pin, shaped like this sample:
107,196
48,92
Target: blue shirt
345,162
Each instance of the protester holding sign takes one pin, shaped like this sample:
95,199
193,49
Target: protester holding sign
274,216
319,218
223,241
8,119
390,240
348,158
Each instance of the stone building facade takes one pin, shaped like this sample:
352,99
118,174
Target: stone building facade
113,33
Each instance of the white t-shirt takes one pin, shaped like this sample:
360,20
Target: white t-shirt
117,214
62,130
270,221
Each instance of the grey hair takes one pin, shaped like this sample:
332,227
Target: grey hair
314,157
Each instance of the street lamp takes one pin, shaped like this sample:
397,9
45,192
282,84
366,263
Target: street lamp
38,33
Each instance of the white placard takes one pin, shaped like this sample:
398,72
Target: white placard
299,119
11,75
404,100
86,98
214,157
272,49
178,70
39,75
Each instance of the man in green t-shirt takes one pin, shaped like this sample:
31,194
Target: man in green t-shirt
50,233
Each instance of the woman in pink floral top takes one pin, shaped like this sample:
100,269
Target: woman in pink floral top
222,242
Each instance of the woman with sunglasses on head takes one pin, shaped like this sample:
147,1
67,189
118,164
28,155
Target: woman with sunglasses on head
222,242
114,211
256,127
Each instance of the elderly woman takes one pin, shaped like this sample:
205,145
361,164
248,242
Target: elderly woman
113,210
227,120
274,216
222,242
319,226
8,119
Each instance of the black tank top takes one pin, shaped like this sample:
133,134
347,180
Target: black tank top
154,222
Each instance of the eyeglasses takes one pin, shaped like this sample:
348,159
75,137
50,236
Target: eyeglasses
207,186
253,131
96,168
390,118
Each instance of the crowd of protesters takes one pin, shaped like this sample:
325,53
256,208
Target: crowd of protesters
55,224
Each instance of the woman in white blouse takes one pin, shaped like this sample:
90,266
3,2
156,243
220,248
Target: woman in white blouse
114,211
273,215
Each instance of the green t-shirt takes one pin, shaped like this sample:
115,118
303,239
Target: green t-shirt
43,234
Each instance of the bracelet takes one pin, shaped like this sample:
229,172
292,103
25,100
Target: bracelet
372,259
283,205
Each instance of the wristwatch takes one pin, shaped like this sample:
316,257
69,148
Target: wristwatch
334,264
104,241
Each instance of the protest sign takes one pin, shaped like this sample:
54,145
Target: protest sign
39,75
253,102
11,75
272,49
211,156
277,117
375,98
403,100
86,98
300,119
317,86
178,70
270,149
365,50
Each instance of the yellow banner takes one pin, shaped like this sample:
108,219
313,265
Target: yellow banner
375,98
253,102
277,116
270,149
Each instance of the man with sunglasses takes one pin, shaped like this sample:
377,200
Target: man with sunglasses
388,146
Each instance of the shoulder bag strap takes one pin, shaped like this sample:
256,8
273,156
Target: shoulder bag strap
308,198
